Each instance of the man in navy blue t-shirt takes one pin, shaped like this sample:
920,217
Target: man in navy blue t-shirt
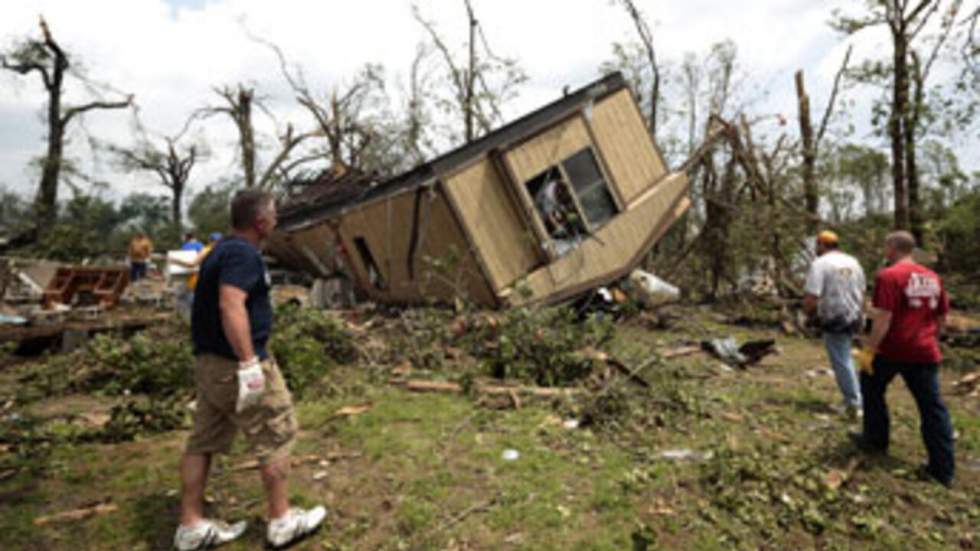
233,261
239,386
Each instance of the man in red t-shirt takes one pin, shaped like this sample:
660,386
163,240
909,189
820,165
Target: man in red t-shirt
910,307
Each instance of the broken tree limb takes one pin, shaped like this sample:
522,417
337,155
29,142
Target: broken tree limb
610,383
77,514
809,150
417,385
717,131
457,518
590,353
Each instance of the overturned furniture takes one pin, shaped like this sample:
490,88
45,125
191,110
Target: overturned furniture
560,201
99,286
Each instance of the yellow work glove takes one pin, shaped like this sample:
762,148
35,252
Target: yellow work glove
865,358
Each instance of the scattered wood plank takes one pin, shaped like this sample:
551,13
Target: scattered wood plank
417,385
77,514
681,352
352,410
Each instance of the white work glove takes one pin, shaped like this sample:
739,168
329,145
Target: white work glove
251,384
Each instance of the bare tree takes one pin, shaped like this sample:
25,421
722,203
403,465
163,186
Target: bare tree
646,38
50,61
238,106
350,117
171,162
483,84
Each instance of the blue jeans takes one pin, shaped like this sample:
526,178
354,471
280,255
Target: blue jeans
922,381
839,350
185,304
137,271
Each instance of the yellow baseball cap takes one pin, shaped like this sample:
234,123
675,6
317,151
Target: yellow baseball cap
827,237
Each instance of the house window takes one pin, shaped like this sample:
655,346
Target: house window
571,198
590,187
555,205
367,259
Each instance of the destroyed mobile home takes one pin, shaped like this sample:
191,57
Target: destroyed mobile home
563,200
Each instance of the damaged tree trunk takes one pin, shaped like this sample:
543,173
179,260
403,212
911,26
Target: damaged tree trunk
911,168
470,77
811,141
810,194
239,109
896,121
50,61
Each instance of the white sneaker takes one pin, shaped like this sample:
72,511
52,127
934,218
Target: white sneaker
297,524
207,533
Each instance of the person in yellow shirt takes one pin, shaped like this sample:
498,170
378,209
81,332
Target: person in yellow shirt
140,249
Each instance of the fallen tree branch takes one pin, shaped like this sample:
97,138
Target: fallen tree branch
418,385
456,519
599,356
77,514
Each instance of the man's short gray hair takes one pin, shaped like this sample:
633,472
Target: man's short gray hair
246,207
902,241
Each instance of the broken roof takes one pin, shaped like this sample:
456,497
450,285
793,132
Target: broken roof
335,185
504,136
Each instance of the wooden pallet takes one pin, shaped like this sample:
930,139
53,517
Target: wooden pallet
101,286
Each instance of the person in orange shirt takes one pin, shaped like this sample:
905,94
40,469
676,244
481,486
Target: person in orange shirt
140,249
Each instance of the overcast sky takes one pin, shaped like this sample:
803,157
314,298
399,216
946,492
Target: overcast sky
170,53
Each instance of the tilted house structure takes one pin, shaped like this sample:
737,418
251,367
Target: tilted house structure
562,200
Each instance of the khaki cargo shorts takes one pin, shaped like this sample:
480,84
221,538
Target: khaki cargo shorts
269,426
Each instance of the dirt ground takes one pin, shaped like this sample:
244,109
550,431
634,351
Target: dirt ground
723,459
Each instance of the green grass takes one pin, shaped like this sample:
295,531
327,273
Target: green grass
425,471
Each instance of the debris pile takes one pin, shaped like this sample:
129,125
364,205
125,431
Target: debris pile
729,351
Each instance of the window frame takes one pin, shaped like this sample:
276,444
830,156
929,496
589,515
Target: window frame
600,168
559,166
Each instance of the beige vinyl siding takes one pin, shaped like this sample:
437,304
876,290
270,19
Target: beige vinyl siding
386,227
500,233
548,149
626,145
